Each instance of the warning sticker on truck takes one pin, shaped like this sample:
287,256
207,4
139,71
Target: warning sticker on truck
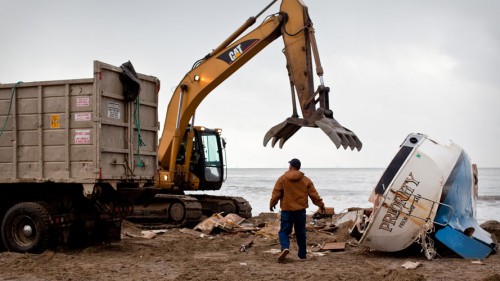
83,102
82,136
83,116
114,110
54,121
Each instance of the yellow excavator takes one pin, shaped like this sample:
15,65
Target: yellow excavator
191,157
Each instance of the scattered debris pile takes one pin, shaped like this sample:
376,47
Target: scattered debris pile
332,232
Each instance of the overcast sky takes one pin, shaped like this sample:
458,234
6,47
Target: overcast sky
394,67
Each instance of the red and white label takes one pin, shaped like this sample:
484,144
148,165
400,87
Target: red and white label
83,102
82,136
83,116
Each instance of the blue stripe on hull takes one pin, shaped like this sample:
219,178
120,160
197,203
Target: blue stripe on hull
458,193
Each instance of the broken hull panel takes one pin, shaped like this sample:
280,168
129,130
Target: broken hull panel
462,234
410,190
463,245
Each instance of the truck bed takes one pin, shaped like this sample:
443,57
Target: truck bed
78,131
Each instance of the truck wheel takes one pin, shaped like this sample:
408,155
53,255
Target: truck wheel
25,228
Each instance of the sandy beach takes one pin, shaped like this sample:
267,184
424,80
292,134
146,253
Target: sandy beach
185,254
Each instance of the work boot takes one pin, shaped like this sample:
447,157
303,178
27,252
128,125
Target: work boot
302,259
283,255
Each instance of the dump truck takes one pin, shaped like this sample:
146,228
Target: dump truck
73,154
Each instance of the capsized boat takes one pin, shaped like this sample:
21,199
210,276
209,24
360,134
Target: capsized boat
427,192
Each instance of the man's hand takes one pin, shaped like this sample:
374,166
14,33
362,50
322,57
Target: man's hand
271,208
320,213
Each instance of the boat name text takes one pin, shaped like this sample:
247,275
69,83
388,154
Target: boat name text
399,203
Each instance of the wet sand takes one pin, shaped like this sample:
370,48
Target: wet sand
186,255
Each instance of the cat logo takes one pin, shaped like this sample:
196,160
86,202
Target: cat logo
235,52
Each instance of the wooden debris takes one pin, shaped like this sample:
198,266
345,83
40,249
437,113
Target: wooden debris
333,246
229,223
271,230
328,213
208,224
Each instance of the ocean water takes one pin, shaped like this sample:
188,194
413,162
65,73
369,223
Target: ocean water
343,188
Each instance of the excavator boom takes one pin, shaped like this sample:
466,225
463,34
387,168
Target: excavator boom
293,24
205,76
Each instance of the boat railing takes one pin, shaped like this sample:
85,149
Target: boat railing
448,218
414,199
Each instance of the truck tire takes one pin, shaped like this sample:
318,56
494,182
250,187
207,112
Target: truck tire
25,228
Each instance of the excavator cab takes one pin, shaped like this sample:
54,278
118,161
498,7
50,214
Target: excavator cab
206,157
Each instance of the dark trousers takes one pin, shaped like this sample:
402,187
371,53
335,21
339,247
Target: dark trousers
296,220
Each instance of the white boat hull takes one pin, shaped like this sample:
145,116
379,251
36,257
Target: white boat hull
409,193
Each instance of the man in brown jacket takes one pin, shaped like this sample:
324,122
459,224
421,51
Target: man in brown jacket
292,189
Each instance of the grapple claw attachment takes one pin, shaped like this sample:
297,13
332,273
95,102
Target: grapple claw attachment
340,135
282,132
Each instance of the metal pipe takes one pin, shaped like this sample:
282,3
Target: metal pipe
267,7
189,150
314,47
192,120
249,22
292,89
176,137
179,108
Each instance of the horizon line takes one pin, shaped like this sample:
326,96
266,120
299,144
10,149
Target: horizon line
332,167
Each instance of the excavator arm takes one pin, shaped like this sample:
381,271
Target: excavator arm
294,25
300,49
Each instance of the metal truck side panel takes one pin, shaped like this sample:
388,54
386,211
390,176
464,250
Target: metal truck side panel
80,130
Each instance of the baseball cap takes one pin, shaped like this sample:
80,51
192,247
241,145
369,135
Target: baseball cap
295,163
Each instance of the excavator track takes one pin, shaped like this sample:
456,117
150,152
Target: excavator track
244,208
167,211
173,211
